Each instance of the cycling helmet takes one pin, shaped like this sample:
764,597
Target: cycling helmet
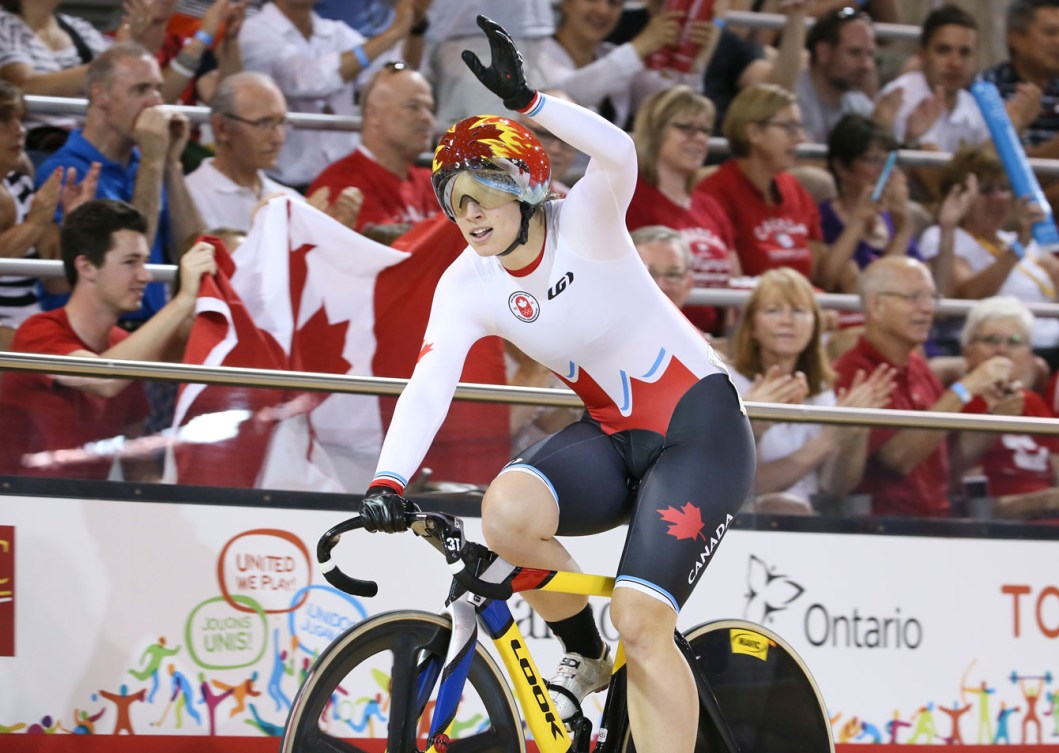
499,153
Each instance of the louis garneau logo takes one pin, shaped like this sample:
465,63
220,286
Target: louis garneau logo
524,306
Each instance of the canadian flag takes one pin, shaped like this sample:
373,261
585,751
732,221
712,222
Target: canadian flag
305,293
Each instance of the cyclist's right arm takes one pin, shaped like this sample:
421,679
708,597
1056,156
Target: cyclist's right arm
457,320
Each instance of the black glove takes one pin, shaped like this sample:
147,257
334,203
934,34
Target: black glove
504,76
383,509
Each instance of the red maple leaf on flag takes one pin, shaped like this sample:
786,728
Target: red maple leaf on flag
685,523
427,347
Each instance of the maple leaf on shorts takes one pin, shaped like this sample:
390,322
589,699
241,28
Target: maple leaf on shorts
685,523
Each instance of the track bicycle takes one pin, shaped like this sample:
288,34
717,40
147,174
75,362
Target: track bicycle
440,689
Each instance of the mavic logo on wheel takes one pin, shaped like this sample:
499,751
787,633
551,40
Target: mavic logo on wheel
540,695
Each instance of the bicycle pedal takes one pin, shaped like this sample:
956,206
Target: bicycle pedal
580,729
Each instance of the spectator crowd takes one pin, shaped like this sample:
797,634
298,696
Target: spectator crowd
132,182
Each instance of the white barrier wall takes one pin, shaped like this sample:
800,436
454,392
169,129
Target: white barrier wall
142,610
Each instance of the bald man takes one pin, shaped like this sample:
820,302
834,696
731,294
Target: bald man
398,126
907,471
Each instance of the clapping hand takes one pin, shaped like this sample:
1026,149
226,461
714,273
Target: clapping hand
776,387
75,194
958,202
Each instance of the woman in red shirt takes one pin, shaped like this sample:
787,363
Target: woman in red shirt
775,219
672,136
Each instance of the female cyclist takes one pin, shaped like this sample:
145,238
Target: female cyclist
665,444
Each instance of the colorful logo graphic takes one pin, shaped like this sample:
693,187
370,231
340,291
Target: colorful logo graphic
219,637
524,306
266,566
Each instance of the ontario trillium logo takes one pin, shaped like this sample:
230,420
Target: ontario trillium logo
768,591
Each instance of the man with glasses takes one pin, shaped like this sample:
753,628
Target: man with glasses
841,48
667,257
248,116
907,470
397,127
1021,469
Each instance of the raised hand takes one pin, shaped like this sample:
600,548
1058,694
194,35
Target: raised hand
991,379
887,106
45,200
869,391
504,76
197,261
958,202
1027,214
925,115
346,208
75,194
214,15
663,30
1025,106
776,387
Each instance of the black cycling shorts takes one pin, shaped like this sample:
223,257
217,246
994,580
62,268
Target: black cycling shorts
679,492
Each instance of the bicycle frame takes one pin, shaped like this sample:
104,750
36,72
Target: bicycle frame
549,731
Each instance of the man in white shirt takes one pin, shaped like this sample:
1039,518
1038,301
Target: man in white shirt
317,63
841,65
249,121
936,109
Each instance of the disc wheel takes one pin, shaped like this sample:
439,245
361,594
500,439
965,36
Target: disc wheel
764,690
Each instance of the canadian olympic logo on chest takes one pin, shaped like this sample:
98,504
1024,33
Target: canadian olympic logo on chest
524,306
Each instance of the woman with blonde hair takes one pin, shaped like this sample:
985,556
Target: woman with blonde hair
672,136
778,357
775,219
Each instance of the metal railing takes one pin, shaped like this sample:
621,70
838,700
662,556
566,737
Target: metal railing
488,393
320,122
45,269
754,20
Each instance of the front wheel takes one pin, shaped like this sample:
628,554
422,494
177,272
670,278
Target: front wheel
374,688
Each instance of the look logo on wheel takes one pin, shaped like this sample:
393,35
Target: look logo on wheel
524,306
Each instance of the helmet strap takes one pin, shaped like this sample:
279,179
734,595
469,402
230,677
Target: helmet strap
527,210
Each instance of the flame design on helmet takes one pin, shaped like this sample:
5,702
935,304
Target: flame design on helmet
499,153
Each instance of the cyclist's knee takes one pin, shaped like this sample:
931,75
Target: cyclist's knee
644,623
517,508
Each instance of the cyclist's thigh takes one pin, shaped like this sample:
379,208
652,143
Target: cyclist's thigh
688,497
584,473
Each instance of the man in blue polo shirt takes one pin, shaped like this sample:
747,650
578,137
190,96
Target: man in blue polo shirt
138,145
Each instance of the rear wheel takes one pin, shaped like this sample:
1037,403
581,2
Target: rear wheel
765,694
374,687
765,691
